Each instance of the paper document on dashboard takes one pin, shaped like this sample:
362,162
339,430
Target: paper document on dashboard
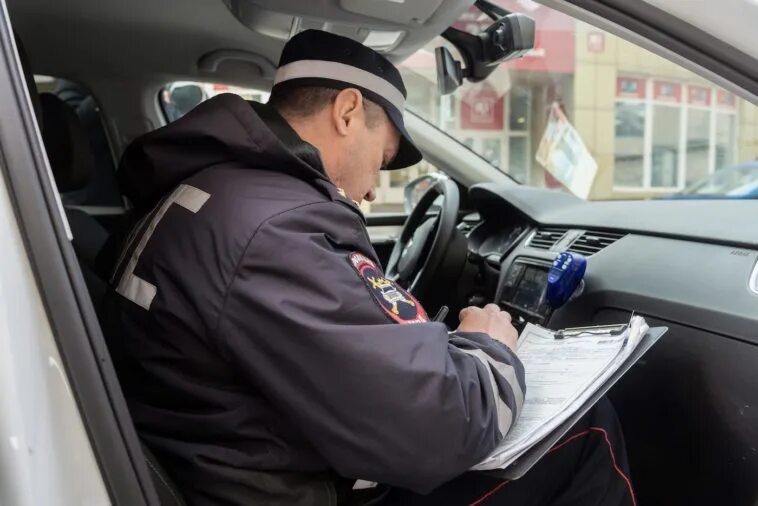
561,375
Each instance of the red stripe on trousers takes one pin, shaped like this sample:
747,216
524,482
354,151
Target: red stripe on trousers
616,468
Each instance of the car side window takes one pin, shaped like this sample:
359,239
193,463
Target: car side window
84,166
178,98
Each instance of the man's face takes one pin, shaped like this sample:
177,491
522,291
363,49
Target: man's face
365,141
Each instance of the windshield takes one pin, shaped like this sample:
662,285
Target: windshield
588,112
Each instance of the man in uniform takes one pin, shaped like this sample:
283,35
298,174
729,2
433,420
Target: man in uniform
264,356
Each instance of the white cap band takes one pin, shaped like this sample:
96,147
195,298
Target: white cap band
340,72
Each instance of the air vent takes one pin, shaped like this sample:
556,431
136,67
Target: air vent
590,242
546,238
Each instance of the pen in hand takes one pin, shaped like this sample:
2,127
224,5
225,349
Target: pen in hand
441,314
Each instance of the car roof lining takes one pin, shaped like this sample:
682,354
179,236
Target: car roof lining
148,41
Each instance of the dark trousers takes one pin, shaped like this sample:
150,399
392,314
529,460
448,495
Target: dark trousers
588,467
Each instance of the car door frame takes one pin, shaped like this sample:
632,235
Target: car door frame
86,362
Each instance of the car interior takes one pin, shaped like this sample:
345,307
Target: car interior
689,408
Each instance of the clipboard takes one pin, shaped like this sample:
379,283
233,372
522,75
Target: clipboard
525,462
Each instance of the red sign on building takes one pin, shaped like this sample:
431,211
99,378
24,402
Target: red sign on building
699,95
667,91
630,87
482,108
725,99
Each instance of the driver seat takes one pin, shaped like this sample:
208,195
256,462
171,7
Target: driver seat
68,152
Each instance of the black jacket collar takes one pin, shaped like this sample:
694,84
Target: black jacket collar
288,137
224,129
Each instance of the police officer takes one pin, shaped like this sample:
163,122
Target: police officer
264,356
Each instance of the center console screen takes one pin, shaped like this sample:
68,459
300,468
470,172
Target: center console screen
530,291
524,288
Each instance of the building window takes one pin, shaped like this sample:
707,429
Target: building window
519,123
521,103
519,159
448,108
670,134
725,140
665,160
491,150
630,144
698,133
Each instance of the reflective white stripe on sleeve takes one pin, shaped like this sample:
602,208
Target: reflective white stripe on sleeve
131,286
504,412
363,484
339,71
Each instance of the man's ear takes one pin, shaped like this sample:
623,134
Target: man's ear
347,110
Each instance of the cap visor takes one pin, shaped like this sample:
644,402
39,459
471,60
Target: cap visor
407,154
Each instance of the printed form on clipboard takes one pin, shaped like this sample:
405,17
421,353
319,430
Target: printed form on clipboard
564,369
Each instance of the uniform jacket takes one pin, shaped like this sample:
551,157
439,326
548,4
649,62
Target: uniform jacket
264,357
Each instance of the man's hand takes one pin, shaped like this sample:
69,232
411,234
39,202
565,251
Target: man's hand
490,320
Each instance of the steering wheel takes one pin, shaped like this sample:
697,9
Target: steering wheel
421,247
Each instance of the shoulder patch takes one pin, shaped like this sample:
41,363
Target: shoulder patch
396,302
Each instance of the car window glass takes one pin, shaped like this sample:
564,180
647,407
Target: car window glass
100,188
180,97
588,112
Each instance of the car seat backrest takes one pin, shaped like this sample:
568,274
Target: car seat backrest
68,149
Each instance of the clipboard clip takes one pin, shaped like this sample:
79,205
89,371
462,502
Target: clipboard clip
610,330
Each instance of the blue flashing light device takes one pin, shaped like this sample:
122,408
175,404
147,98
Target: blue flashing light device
564,278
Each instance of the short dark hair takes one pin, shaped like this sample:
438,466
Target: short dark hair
304,101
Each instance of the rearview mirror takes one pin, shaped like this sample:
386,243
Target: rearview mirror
449,71
510,36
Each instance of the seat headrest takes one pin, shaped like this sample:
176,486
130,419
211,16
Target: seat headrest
67,145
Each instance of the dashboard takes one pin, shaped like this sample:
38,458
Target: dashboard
522,290
646,256
689,406
492,240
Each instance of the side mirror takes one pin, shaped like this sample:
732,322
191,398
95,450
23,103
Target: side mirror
416,188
